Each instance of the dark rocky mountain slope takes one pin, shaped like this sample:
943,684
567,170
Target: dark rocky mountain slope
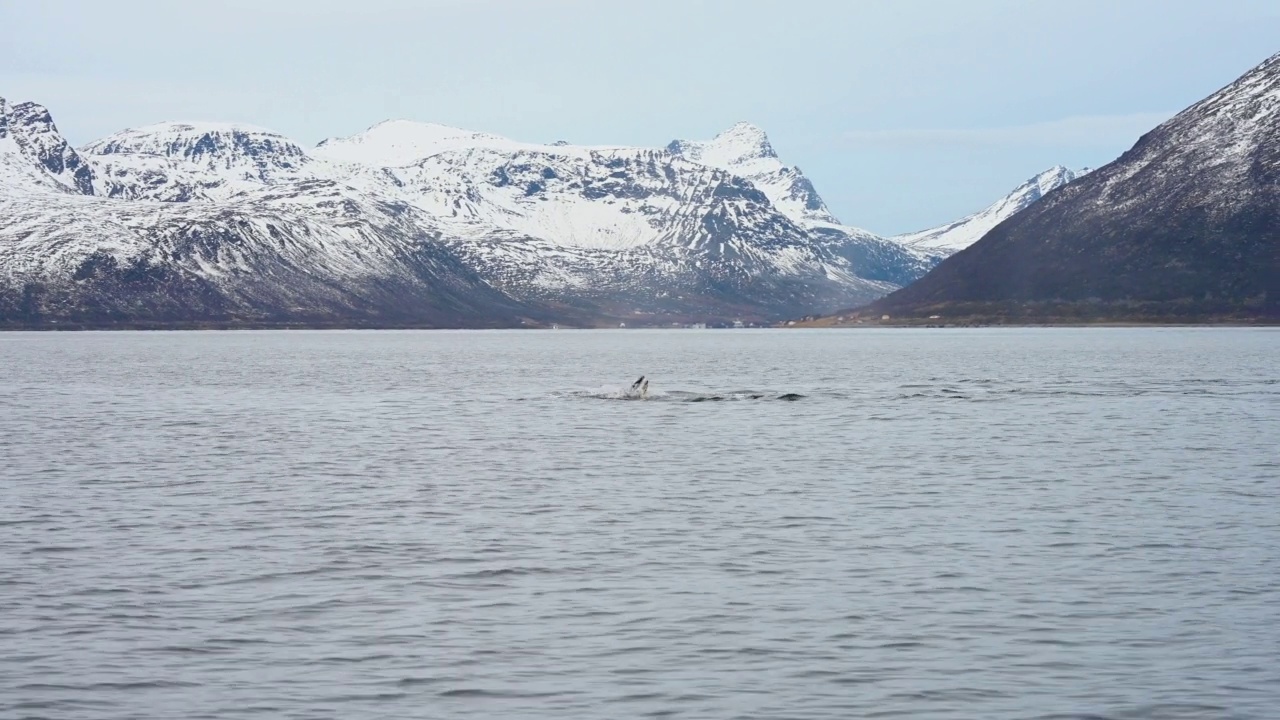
1185,225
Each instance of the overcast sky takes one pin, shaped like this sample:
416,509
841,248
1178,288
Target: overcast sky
905,114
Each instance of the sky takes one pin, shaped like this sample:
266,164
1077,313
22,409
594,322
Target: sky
905,114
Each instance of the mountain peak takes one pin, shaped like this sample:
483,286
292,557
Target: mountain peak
745,131
34,149
744,149
743,140
32,115
1051,179
740,144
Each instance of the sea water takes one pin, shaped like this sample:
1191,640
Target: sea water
981,523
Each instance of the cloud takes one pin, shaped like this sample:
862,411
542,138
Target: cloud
1083,131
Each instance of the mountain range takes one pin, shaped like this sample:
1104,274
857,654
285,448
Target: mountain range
416,224
1183,226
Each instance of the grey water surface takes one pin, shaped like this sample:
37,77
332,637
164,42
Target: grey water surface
1003,523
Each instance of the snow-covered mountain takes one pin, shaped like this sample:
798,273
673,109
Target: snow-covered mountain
745,151
242,251
414,223
643,224
966,231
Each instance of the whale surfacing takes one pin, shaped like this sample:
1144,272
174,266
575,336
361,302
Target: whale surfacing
639,389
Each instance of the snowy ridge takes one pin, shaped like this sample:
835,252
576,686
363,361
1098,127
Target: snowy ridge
964,232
